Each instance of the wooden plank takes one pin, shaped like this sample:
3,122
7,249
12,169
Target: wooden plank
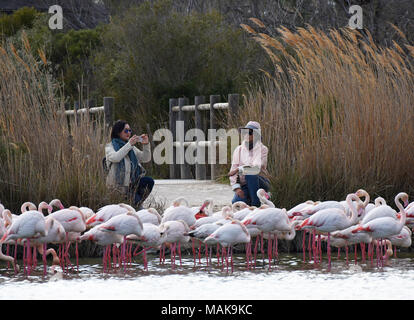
200,169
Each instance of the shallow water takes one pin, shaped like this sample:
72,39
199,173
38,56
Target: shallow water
288,278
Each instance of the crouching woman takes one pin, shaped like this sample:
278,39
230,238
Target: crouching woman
123,160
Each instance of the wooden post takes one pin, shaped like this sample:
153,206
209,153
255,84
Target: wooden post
200,169
233,103
184,167
109,111
75,109
174,169
213,99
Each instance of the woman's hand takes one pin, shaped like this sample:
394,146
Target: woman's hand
144,138
133,140
239,193
233,172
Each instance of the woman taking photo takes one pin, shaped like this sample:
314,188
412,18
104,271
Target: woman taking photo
123,160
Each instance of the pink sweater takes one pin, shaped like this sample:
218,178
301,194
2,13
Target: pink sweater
242,156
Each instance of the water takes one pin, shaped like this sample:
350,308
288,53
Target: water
289,278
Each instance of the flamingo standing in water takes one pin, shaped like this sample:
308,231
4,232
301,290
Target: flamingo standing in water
268,220
385,226
150,237
124,225
72,220
102,238
28,225
55,233
332,219
229,235
173,232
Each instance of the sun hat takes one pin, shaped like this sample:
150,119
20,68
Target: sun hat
253,125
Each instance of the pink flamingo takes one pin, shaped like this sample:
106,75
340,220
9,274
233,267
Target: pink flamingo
173,232
229,235
102,238
107,212
149,215
123,224
385,226
72,220
28,225
150,238
332,219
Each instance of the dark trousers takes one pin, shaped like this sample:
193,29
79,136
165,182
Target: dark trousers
253,183
142,190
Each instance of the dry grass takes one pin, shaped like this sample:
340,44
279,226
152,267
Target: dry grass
42,156
337,115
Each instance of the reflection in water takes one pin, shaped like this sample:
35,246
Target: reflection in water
288,278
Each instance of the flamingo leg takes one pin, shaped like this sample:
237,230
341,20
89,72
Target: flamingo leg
29,258
329,251
206,249
395,251
303,246
231,252
7,253
255,251
192,240
346,251
355,253
179,253
44,259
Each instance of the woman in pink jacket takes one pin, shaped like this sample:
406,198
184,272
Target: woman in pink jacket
248,168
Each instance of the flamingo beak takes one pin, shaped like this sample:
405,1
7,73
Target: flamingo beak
405,202
267,196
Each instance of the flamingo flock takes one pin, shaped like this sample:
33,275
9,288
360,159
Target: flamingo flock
119,228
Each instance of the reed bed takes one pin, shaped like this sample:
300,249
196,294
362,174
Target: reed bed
43,155
336,114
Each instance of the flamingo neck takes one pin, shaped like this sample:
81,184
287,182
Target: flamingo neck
403,217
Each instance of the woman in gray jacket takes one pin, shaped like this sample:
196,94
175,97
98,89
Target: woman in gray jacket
123,161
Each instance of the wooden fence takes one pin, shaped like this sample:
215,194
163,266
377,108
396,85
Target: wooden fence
107,109
204,119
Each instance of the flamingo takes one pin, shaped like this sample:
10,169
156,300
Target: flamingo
264,198
183,213
57,204
225,212
28,225
149,215
379,201
150,238
385,226
102,238
173,232
304,206
72,220
229,235
379,212
107,212
55,233
332,219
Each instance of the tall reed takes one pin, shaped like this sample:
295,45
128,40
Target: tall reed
42,154
337,115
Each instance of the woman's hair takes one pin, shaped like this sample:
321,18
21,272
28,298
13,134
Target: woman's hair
117,128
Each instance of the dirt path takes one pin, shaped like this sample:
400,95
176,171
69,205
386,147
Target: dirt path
195,191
